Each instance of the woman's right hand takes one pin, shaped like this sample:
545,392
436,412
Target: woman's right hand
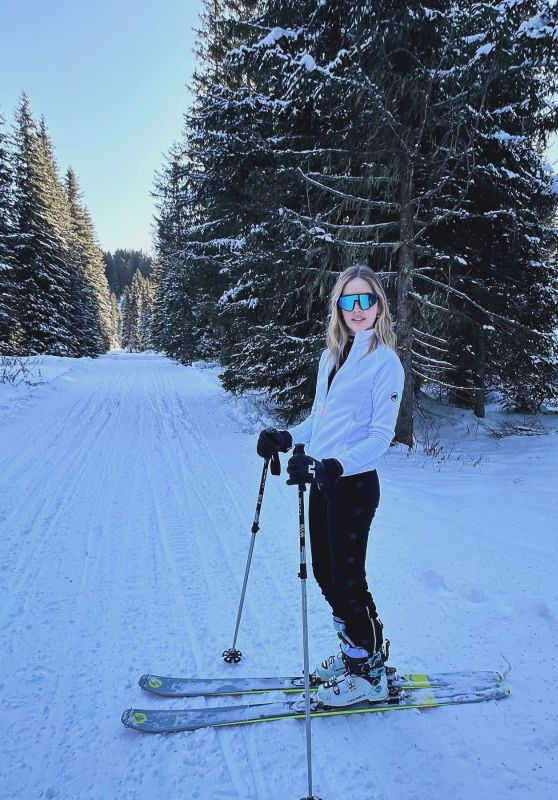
271,441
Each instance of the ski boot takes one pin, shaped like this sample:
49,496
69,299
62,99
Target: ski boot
333,666
365,680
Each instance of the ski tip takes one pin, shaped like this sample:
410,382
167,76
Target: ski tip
151,683
135,718
503,674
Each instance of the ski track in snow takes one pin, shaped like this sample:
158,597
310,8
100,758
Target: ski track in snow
127,495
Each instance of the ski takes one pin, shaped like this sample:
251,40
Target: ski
173,721
167,686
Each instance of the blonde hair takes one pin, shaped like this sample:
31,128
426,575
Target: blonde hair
337,331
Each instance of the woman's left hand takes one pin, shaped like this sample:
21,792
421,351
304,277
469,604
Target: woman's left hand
306,469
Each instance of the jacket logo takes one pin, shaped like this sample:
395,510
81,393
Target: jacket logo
394,396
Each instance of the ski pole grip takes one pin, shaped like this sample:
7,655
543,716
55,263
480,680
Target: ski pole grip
275,464
299,450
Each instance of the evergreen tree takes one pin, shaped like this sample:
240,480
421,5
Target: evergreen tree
114,322
503,298
326,133
121,265
225,203
137,312
8,315
40,247
146,315
127,316
177,276
95,302
396,103
53,291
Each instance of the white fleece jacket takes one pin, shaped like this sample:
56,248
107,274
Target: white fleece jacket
355,421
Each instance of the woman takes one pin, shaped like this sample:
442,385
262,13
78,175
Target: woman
351,425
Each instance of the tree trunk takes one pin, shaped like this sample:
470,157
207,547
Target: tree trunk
480,394
406,263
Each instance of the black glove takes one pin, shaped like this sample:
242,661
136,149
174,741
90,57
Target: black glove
272,441
305,469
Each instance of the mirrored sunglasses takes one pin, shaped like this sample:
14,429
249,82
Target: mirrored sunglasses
365,301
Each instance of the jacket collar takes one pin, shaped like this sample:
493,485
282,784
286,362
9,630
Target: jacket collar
362,338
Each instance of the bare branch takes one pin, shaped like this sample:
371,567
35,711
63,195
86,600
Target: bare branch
353,198
430,335
434,362
431,346
451,385
363,227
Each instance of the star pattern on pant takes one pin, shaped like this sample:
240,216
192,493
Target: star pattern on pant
357,511
351,560
353,536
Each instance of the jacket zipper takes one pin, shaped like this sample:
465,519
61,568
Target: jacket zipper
322,412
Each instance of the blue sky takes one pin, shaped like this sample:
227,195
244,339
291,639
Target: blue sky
111,79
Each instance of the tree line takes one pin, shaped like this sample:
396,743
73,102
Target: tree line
136,311
59,292
54,295
121,266
325,133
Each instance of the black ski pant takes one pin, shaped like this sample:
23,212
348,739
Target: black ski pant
339,524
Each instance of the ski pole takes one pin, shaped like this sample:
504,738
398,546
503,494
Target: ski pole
299,448
232,655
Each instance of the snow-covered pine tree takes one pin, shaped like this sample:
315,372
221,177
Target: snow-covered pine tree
274,306
8,317
95,307
400,95
295,145
121,265
75,303
40,248
114,322
195,265
504,296
137,311
235,261
59,294
146,314
127,316
330,133
123,326
176,290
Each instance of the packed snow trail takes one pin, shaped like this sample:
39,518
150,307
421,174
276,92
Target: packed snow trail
128,486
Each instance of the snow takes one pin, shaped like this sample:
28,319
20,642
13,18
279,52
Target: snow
483,50
234,243
276,34
128,487
308,62
538,27
504,136
272,38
